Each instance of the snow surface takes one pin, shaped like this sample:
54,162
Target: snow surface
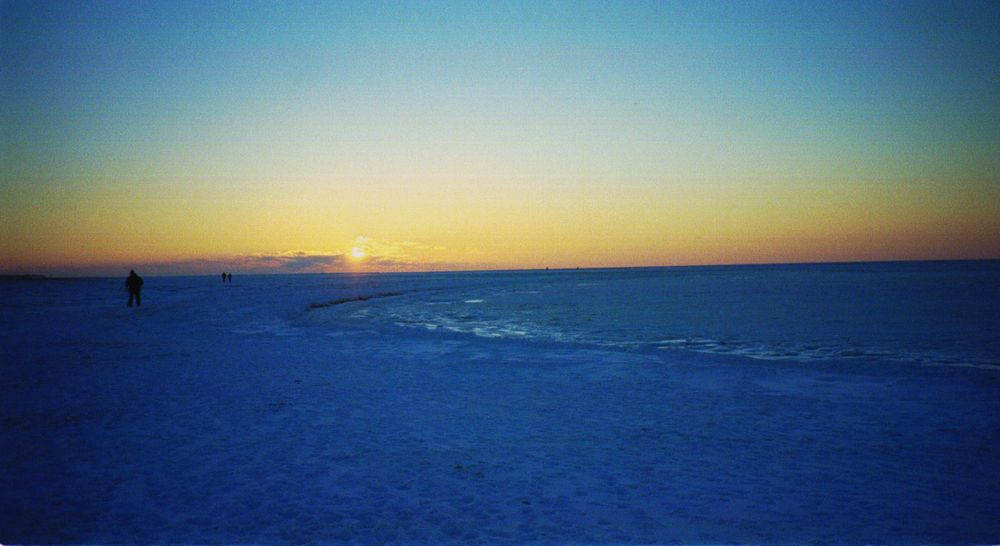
273,410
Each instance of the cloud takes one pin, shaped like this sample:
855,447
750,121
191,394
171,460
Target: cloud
378,256
293,262
408,256
401,254
288,262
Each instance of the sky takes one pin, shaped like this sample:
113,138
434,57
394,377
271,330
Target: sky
194,137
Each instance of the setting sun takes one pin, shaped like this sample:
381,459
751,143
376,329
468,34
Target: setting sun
357,253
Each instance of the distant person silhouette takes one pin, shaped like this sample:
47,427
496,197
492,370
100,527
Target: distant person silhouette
133,283
230,278
223,277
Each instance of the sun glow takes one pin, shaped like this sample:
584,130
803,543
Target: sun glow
357,253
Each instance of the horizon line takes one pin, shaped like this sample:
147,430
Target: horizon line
43,276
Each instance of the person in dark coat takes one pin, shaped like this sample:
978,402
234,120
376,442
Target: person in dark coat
230,275
223,277
133,283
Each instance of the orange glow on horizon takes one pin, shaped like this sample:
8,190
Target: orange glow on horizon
511,229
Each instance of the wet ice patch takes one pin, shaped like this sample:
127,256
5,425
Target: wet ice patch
754,312
274,327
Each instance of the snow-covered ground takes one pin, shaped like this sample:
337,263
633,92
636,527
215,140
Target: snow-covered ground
277,409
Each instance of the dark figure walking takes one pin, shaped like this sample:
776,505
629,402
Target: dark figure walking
133,284
223,277
230,278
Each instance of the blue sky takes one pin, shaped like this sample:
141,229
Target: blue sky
189,103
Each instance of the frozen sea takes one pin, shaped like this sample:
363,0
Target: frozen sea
851,403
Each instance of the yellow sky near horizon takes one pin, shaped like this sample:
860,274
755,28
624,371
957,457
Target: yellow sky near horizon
512,227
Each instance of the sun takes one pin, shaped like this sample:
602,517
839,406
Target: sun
357,253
